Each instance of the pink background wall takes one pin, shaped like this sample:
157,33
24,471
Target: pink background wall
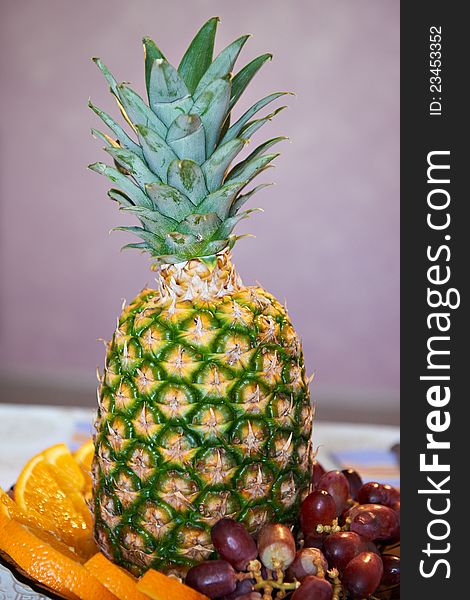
328,241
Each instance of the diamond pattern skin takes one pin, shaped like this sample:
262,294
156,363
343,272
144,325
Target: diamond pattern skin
204,412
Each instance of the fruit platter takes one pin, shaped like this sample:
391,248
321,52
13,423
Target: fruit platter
201,479
344,545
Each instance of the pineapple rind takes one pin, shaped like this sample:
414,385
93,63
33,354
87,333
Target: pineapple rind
204,412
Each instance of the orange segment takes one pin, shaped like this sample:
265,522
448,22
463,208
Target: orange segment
65,467
160,587
9,511
48,566
7,506
116,580
84,455
50,489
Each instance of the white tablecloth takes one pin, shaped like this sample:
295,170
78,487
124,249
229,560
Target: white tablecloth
26,430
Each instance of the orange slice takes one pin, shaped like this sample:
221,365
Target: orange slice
65,468
118,581
84,455
49,567
9,511
50,488
160,587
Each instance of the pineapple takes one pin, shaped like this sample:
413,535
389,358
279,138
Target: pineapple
204,409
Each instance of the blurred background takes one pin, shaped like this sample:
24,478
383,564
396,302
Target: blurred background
327,243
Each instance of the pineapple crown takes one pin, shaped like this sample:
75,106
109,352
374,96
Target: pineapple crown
176,176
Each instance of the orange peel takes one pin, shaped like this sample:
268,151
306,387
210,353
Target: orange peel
118,581
161,587
46,565
50,490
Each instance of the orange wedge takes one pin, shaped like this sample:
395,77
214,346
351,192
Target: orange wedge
118,581
160,587
9,511
84,455
65,468
47,566
50,489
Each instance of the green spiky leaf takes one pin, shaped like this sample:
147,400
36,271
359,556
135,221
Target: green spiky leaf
133,163
246,171
108,75
235,129
245,75
222,65
151,53
240,200
221,200
153,219
137,112
217,246
187,138
140,246
229,224
183,243
216,166
202,226
105,138
261,149
121,198
187,177
149,237
198,56
119,132
166,85
157,153
131,190
176,176
169,201
212,106
252,126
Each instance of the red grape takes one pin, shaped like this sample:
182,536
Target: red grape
391,575
336,484
213,578
306,563
341,547
366,525
378,493
354,480
315,540
245,586
369,546
317,472
233,542
318,508
314,587
362,575
250,596
276,546
393,494
374,522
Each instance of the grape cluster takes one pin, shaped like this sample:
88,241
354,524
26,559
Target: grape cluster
344,547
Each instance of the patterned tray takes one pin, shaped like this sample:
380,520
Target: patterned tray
13,586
